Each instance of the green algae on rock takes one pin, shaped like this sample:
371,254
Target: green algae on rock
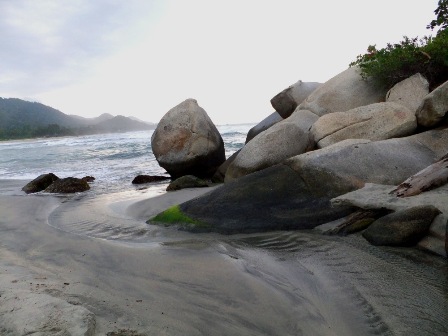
174,216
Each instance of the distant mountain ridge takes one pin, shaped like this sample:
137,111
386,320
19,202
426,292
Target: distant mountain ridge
93,121
24,119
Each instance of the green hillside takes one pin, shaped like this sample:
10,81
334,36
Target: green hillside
21,119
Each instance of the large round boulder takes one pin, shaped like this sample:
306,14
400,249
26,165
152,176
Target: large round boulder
343,92
186,142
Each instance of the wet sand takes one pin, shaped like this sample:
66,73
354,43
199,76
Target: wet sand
97,252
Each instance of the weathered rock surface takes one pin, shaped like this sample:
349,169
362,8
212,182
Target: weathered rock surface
283,140
40,183
296,193
187,181
343,92
186,142
304,119
42,315
378,121
376,196
141,179
263,125
402,228
349,164
434,107
409,92
272,199
67,185
220,173
286,101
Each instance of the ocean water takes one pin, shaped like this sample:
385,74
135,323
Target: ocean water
113,159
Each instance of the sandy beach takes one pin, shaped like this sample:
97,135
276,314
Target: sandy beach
81,265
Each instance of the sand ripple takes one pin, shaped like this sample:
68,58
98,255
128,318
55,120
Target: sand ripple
340,283
400,291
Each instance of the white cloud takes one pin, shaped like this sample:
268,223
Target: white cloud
232,56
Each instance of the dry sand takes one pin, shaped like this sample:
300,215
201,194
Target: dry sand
90,266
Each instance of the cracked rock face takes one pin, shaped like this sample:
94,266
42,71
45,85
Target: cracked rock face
379,121
186,142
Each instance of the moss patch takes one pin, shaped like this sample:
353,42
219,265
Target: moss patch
175,216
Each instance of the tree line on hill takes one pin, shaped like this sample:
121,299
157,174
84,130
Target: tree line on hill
20,119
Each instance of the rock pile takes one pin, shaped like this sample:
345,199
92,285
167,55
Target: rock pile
50,183
332,140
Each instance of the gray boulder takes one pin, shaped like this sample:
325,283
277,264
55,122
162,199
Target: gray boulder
376,196
286,101
187,181
409,92
39,183
186,142
283,140
67,185
349,164
272,199
263,125
343,92
401,228
434,107
378,121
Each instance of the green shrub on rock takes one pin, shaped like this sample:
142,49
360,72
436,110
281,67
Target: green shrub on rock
388,66
427,56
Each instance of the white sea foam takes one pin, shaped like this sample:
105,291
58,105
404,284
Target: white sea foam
113,159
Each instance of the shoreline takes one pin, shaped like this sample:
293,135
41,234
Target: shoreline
276,283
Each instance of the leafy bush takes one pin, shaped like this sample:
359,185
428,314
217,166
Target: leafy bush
441,16
428,56
390,65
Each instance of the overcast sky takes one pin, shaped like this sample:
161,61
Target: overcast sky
140,57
